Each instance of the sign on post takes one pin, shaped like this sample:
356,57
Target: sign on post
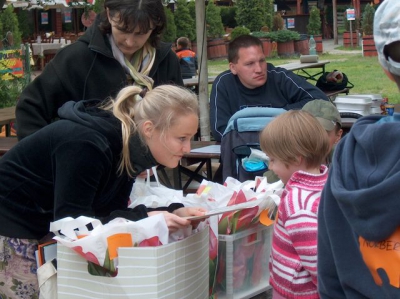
351,16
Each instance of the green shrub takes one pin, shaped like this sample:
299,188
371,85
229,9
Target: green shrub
10,23
277,22
260,34
215,28
251,13
368,20
314,22
228,15
169,34
185,24
238,31
282,36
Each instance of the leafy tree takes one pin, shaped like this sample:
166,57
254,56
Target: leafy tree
169,34
215,28
314,22
25,27
368,20
185,24
269,13
228,16
192,8
277,22
98,6
251,13
10,23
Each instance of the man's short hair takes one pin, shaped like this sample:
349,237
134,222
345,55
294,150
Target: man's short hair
184,42
242,41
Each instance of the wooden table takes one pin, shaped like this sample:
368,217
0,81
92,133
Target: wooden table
38,48
203,158
302,68
6,143
7,116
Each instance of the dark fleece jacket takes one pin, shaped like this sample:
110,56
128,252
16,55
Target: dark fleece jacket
69,168
84,70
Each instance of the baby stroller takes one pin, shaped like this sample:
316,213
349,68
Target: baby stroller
240,136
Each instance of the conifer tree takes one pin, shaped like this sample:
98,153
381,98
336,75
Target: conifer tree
251,14
185,24
368,20
169,34
10,23
215,28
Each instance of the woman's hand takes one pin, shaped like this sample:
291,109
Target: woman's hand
176,221
186,212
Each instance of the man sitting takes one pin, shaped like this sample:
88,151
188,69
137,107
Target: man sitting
251,82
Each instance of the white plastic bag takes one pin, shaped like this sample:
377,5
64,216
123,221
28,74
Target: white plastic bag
100,244
153,194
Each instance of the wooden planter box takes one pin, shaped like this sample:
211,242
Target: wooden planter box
267,46
369,48
347,39
301,47
216,48
319,46
286,49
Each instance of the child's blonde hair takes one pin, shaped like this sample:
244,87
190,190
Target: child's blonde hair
295,133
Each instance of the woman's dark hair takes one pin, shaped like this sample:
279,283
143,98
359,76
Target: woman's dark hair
131,14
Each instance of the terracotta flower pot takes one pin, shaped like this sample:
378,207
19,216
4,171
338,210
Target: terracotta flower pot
369,48
286,48
347,39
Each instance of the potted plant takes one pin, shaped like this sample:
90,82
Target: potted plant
314,27
216,47
266,41
367,24
285,41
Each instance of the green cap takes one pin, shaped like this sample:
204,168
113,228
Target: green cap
326,113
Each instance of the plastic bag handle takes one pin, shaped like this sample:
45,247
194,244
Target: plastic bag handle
154,169
68,225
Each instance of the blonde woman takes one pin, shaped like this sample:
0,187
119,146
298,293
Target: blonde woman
85,164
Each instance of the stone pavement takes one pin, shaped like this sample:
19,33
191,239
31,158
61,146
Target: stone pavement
330,48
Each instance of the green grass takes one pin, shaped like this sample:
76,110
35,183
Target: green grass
364,72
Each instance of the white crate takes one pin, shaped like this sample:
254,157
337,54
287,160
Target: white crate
376,101
242,252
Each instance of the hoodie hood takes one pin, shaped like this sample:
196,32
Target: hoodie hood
366,174
87,113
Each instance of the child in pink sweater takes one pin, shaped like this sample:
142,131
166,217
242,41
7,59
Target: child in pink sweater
297,145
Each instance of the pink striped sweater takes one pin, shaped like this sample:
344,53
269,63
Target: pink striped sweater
293,260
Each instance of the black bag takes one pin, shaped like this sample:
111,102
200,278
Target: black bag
325,82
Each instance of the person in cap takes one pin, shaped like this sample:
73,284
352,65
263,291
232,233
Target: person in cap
329,117
358,217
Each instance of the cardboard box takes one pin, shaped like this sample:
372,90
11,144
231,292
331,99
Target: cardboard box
243,258
176,270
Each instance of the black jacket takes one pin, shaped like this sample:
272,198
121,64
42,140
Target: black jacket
69,168
283,89
83,70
